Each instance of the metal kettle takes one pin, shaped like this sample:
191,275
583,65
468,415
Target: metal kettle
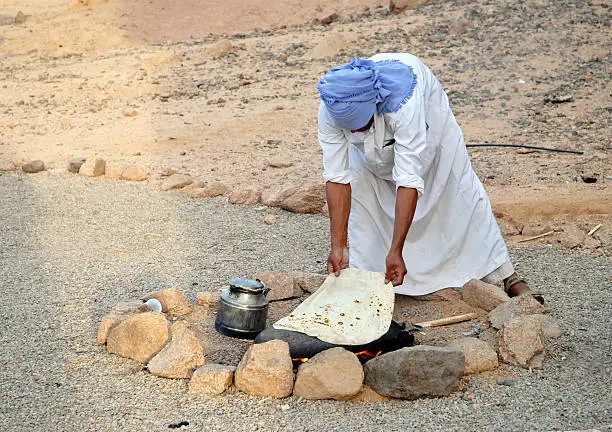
243,309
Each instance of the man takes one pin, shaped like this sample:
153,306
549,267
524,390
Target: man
402,195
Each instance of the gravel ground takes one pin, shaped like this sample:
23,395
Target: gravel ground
71,247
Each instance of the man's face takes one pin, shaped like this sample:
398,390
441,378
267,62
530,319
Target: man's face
366,127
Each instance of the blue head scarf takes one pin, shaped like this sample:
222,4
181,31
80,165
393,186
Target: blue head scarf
354,91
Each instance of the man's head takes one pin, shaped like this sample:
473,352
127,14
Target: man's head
355,91
350,93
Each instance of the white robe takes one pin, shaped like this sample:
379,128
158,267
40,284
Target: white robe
454,236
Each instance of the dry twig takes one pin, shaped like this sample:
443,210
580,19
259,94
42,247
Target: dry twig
535,237
593,230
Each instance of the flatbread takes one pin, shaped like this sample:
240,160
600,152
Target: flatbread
354,308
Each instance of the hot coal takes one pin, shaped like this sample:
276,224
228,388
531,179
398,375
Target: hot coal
303,346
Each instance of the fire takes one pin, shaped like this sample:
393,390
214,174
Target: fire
367,355
362,355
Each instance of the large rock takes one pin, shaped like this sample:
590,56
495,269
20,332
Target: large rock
516,306
398,6
120,312
266,370
308,282
193,192
332,374
550,328
191,187
444,294
305,200
509,227
483,295
209,191
93,167
134,173
33,167
479,355
245,195
176,181
180,356
572,236
209,300
109,321
275,196
113,169
139,337
211,379
415,372
75,164
281,284
521,342
167,172
173,301
534,228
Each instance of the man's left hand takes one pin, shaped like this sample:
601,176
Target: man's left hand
396,268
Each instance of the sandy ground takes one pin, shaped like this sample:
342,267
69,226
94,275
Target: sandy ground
220,91
72,247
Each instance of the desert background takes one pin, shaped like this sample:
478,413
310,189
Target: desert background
225,92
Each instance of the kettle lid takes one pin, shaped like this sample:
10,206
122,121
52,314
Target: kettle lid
247,284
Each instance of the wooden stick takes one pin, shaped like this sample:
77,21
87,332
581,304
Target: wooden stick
593,230
535,237
449,320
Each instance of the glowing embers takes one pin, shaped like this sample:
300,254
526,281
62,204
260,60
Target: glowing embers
363,357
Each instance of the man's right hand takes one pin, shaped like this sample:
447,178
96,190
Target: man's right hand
338,260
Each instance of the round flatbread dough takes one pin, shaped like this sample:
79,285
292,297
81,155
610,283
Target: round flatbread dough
354,308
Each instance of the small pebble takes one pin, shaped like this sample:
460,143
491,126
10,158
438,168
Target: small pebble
270,219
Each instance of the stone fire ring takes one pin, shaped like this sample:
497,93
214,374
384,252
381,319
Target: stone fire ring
172,350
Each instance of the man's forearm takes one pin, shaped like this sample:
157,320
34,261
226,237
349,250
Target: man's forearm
339,203
405,205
